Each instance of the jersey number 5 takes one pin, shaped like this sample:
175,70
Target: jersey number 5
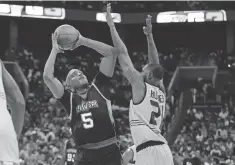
156,113
87,120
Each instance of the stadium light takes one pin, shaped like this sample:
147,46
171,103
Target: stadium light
31,11
102,17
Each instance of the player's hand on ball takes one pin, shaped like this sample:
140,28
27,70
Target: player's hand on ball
148,28
79,42
108,15
54,43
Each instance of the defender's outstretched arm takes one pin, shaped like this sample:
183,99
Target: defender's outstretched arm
152,50
153,56
134,77
129,71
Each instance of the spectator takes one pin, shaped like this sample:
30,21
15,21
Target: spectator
216,152
223,113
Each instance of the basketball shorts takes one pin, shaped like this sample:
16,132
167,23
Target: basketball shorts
109,155
152,155
8,163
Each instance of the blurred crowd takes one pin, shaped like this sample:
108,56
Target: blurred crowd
46,127
208,135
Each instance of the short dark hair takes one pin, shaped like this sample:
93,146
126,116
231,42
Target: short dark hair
157,70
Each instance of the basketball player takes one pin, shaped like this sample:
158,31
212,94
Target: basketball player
147,106
70,152
10,124
88,106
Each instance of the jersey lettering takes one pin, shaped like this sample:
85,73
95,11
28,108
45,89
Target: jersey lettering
156,112
154,94
86,106
2,95
87,120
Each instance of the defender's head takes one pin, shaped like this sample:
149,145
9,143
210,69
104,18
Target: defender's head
76,80
152,73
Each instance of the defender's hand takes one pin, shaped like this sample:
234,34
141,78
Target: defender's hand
148,28
54,43
108,15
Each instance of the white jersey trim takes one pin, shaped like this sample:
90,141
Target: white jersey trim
93,84
108,102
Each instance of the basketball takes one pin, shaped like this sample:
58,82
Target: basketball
67,36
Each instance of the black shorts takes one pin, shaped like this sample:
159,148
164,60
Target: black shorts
109,155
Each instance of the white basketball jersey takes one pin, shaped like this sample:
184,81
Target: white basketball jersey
146,117
9,151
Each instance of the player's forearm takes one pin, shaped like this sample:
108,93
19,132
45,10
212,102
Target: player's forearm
49,66
117,41
123,56
152,50
123,61
126,66
17,106
102,48
107,65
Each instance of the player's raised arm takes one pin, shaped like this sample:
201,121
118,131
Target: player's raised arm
102,48
15,100
107,64
153,56
53,83
110,54
129,71
152,50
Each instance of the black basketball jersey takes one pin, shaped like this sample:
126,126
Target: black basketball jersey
70,150
91,119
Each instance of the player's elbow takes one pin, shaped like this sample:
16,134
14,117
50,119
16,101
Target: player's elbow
47,78
121,47
123,50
